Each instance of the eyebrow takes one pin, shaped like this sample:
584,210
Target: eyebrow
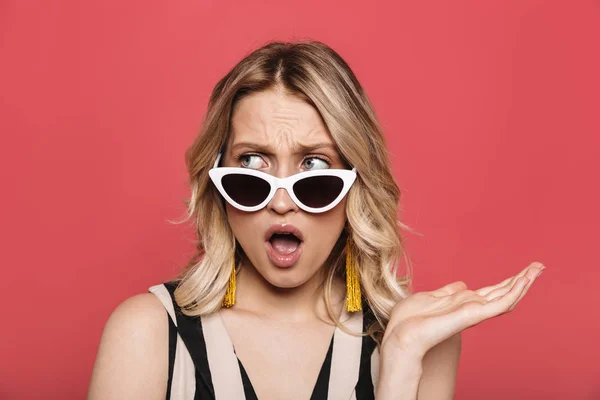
297,147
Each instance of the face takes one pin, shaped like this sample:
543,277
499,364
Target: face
272,132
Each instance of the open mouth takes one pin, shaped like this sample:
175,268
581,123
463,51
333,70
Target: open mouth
285,243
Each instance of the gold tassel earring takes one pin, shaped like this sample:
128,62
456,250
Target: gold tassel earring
353,296
229,299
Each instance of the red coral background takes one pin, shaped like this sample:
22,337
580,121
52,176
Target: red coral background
491,110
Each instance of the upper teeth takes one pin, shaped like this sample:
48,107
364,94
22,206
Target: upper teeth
283,233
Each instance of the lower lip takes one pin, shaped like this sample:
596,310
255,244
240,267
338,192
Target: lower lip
283,261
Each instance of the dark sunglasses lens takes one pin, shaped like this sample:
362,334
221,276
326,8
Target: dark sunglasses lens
318,191
246,190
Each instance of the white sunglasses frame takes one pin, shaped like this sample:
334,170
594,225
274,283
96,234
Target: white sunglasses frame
346,175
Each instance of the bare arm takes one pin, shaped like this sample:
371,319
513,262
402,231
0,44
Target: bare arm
440,368
421,345
399,377
430,378
132,361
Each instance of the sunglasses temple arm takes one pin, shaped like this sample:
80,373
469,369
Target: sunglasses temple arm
217,160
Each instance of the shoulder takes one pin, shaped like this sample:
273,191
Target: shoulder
132,360
142,316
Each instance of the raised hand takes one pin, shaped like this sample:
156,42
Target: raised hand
425,319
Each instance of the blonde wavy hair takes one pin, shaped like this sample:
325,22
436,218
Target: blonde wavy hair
314,72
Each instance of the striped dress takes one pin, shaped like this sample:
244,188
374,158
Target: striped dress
203,364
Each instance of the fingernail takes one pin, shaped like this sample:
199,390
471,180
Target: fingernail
539,273
538,265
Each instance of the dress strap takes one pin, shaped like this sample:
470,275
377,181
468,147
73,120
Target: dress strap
181,383
225,371
369,360
345,362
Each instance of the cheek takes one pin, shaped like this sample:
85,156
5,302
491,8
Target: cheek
241,222
327,227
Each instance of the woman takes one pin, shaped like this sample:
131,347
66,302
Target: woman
294,292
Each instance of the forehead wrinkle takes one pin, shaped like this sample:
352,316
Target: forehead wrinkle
281,127
289,130
282,137
277,127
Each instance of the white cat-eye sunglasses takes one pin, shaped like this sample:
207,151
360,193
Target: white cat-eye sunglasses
313,191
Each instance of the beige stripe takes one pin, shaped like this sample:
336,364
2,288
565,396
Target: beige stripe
375,367
163,295
345,360
223,363
183,385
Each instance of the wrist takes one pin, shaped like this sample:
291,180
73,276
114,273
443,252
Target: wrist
394,348
400,363
399,376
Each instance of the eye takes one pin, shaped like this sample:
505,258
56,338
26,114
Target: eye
310,162
250,161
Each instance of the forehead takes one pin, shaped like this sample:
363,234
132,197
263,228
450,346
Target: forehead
278,120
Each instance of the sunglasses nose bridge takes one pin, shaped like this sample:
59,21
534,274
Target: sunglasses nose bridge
282,202
282,183
278,183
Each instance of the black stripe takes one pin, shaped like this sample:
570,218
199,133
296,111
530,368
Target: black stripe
172,349
364,387
249,393
190,330
322,386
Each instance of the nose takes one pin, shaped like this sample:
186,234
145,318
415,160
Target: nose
282,203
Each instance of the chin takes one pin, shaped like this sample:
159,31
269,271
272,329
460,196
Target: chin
285,278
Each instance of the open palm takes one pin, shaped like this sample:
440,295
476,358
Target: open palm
425,319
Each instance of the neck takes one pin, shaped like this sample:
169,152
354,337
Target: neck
305,302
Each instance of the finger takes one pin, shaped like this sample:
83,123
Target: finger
527,287
454,318
459,317
503,304
449,289
464,296
462,316
501,291
507,283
